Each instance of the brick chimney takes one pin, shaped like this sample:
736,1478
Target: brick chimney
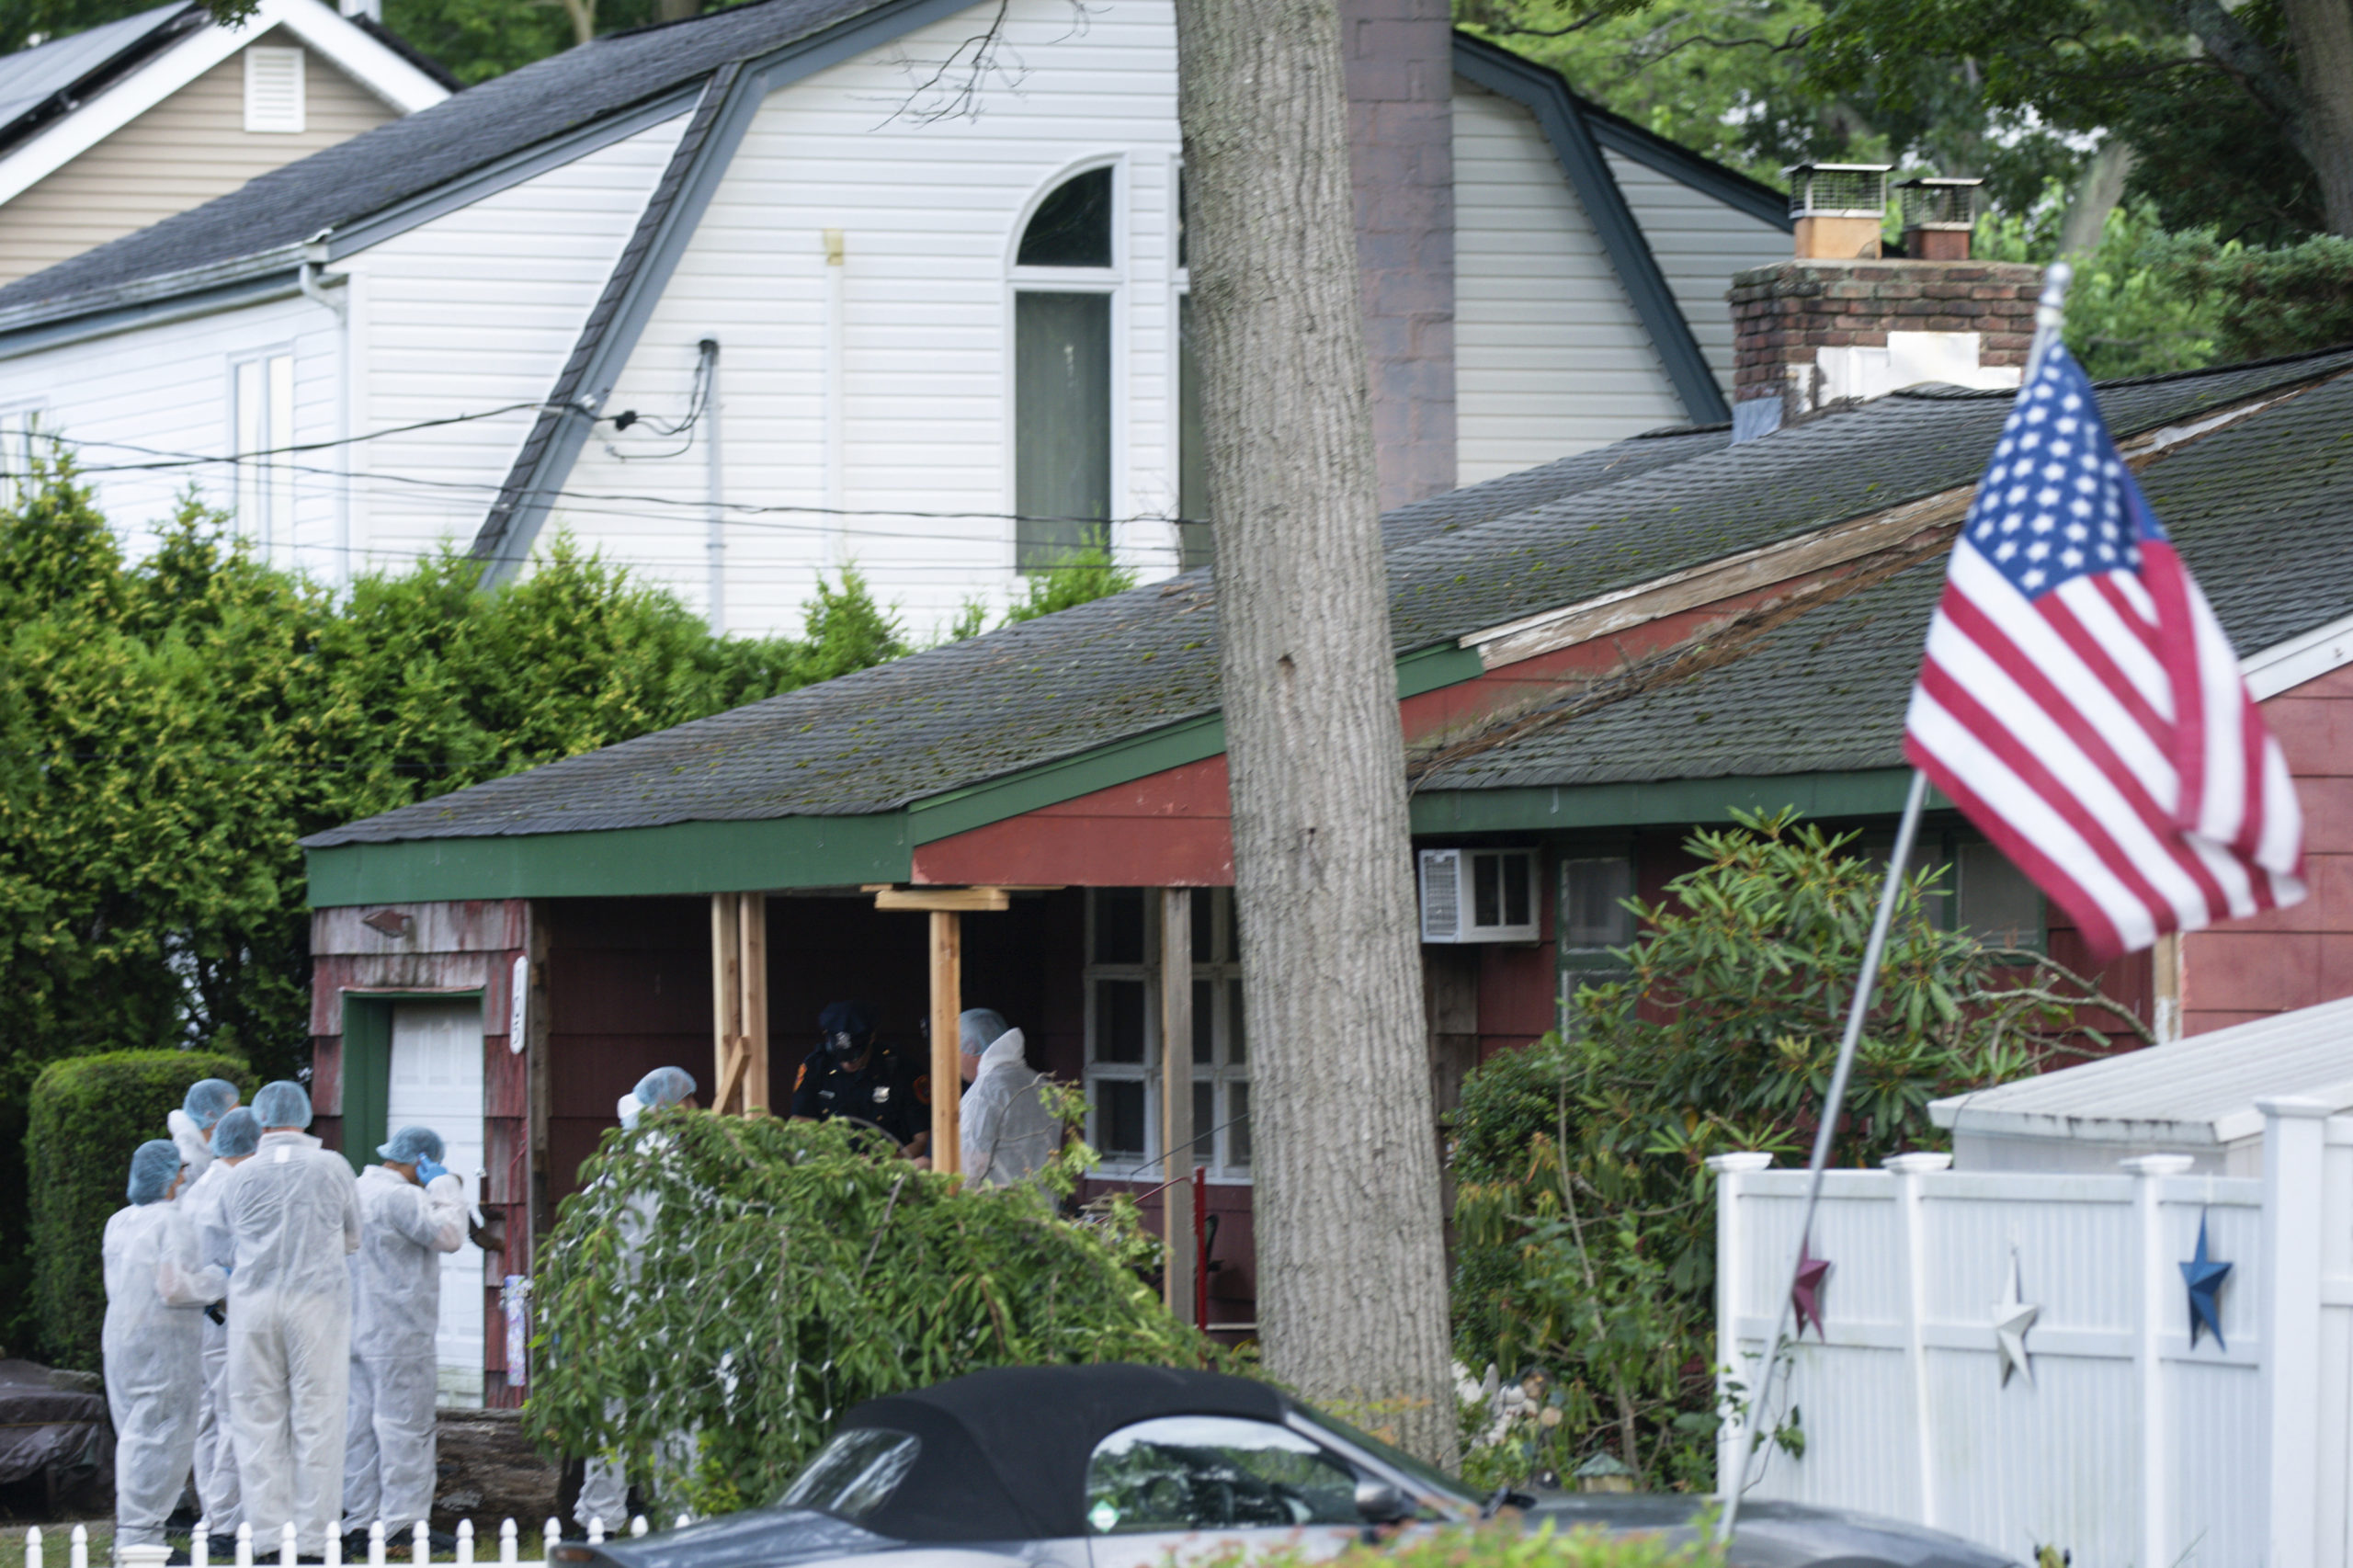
1838,322
1400,63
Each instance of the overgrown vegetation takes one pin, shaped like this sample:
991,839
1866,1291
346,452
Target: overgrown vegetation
745,1280
1584,1203
2146,301
1505,1542
171,725
89,1114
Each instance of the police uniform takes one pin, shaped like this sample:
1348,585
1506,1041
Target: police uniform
880,1091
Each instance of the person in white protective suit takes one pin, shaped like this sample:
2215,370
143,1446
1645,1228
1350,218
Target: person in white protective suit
190,1127
233,1138
289,1217
156,1289
1007,1133
412,1210
604,1489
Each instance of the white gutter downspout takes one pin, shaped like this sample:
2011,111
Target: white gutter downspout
715,488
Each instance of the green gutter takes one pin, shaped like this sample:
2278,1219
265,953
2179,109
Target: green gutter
1876,792
682,858
784,852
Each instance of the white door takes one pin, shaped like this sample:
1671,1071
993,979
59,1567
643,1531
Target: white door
437,1082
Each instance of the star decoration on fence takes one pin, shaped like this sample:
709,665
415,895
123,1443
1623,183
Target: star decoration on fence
2204,1277
1805,1296
2012,1318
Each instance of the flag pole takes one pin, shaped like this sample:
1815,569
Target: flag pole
2049,315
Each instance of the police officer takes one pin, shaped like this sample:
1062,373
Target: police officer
849,1075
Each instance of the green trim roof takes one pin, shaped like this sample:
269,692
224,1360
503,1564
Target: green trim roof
956,736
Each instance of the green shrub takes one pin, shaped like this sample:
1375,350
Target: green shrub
2267,302
1584,1206
1503,1542
88,1114
790,1271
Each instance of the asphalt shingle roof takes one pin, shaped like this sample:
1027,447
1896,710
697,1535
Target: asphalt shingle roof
1142,660
419,152
1548,482
2261,510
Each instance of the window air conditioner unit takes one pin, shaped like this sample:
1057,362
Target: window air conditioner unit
1478,896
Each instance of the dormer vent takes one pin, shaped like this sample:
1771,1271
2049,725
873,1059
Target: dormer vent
1838,207
1939,211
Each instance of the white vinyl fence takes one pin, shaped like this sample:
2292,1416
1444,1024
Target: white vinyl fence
383,1546
2121,1442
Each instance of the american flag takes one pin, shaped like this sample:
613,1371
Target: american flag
2079,702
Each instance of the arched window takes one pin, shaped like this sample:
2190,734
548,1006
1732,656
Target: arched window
1062,374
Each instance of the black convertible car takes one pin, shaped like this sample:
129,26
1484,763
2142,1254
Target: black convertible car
1116,1466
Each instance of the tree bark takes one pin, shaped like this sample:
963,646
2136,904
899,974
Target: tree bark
1351,1269
2322,32
2097,193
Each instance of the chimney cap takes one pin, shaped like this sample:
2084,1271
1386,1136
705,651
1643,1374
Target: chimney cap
1837,190
1939,202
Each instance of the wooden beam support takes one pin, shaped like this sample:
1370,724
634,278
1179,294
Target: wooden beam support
739,1003
751,968
1177,1129
947,1001
974,900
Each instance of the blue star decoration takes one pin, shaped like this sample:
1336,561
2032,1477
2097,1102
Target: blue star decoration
2204,1277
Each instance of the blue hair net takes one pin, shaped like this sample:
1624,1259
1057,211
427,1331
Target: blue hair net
152,1165
977,1029
282,1104
239,1133
209,1099
664,1086
411,1142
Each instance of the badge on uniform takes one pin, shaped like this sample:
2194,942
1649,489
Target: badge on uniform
881,1094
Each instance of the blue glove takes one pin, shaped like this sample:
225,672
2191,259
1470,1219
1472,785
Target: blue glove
426,1169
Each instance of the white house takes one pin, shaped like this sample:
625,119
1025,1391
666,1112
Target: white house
743,298
105,131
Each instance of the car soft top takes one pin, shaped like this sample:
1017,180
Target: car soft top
1005,1450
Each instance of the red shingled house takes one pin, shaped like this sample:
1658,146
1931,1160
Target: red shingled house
1592,656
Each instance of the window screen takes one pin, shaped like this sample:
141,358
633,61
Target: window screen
1062,419
1193,1473
1593,914
1998,905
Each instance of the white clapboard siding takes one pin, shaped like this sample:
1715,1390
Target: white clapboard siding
1699,244
929,211
163,395
1550,357
476,311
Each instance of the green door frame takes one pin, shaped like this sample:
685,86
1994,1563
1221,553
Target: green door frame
367,1064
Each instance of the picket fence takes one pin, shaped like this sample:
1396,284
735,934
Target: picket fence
2122,1442
420,1546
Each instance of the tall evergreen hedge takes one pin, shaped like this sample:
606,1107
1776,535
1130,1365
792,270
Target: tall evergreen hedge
88,1114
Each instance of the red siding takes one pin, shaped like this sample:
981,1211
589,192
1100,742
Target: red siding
1167,830
2290,958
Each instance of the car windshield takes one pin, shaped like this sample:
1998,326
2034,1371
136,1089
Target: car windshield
1420,1473
855,1474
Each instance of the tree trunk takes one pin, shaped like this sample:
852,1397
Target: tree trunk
1351,1270
2323,33
2097,193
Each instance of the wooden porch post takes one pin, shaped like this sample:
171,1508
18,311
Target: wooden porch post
947,1001
739,1002
945,907
1177,1129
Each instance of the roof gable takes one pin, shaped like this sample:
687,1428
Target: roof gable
494,126
74,65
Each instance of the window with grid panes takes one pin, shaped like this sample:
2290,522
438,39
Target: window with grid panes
1123,1041
1590,920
